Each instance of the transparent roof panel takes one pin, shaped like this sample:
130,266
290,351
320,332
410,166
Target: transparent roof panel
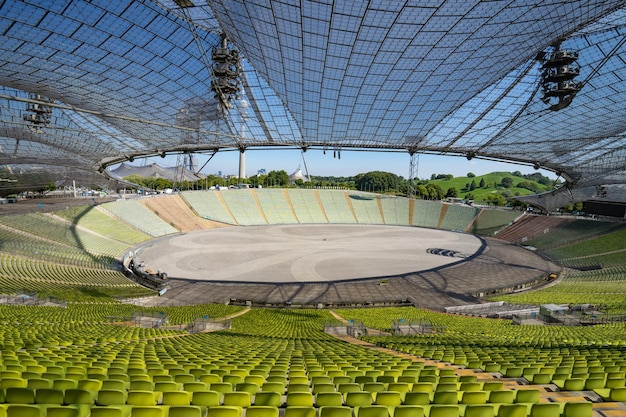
91,83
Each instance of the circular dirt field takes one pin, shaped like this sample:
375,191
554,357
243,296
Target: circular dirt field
306,253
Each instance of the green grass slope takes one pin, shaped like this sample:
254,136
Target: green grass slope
492,185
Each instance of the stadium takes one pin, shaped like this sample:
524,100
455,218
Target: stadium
311,302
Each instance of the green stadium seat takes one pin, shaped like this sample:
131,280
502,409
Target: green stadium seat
371,411
49,396
408,411
448,410
374,387
206,398
111,397
301,399
417,398
612,394
471,386
222,387
512,410
492,385
142,398
323,387
273,387
258,411
545,410
186,411
328,399
66,411
571,384
578,409
25,410
299,411
474,397
184,378
541,378
528,396
357,398
114,384
502,397
141,386
445,397
37,383
19,395
593,383
176,398
224,411
64,384
165,386
479,410
399,387
111,411
90,384
9,382
388,398
268,398
148,411
238,398
335,411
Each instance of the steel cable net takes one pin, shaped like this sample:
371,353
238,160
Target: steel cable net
132,78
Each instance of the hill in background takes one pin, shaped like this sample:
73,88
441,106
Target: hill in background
493,186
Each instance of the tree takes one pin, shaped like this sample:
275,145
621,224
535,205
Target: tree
507,182
277,178
496,199
482,183
434,192
472,186
421,191
378,181
470,175
46,188
452,192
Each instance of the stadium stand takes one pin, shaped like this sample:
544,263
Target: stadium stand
491,221
146,364
426,213
209,206
244,207
276,206
138,216
307,206
458,217
530,226
79,360
91,218
54,229
336,207
395,210
366,207
174,211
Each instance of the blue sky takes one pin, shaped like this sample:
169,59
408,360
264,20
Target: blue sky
350,164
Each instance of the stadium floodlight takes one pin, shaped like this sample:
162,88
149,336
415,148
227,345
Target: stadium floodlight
560,67
39,112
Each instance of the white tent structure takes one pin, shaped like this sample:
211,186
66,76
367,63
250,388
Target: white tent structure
298,175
